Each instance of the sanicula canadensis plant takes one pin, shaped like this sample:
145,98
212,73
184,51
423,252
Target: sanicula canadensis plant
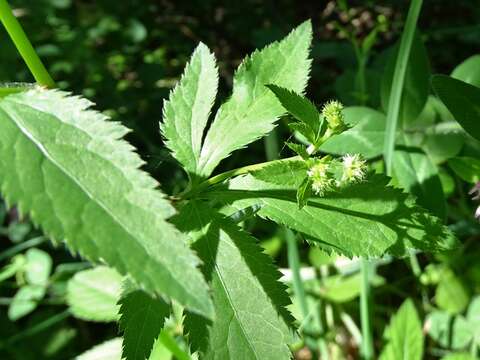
67,167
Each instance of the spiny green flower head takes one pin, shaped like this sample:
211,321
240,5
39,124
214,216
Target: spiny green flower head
354,168
332,111
328,174
322,179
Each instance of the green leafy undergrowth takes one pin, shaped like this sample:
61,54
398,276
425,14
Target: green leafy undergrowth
69,169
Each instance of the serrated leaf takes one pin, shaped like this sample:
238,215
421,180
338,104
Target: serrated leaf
301,109
67,168
467,168
365,137
186,112
404,335
299,149
252,110
365,219
416,86
108,350
462,100
141,320
250,315
93,294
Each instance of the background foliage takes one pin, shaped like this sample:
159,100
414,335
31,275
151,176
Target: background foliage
126,56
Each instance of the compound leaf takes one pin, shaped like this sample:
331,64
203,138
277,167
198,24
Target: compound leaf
67,167
252,110
251,321
186,113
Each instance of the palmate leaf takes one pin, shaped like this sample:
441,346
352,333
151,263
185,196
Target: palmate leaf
185,114
251,319
364,219
67,167
404,335
252,110
141,320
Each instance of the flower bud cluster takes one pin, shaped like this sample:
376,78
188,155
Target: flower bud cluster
332,111
326,174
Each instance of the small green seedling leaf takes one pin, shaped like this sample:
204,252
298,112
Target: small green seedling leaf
93,294
404,335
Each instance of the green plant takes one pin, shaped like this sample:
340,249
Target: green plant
67,167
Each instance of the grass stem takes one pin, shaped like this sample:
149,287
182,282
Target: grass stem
24,47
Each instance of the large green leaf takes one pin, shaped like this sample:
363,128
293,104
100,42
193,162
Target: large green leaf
251,321
67,167
365,219
404,335
252,110
463,101
416,86
93,294
416,173
185,114
468,71
366,136
141,319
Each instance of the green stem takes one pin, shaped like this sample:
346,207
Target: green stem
365,311
22,246
24,46
229,174
37,328
398,81
299,291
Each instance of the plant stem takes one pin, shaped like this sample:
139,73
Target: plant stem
22,246
229,174
398,82
24,46
299,291
37,328
365,310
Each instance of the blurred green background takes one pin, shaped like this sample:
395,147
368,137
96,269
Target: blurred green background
127,55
